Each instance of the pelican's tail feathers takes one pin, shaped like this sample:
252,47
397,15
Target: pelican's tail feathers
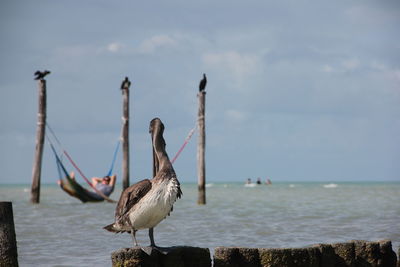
111,228
115,228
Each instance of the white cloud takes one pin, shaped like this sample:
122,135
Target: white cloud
240,65
344,66
350,64
372,15
397,74
394,76
388,72
378,66
114,47
150,45
327,68
74,51
235,115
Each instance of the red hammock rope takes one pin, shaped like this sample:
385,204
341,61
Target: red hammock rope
184,144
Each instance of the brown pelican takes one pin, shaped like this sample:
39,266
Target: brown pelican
40,75
203,83
125,83
146,203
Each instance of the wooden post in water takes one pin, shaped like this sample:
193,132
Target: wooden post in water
125,133
8,242
201,169
40,133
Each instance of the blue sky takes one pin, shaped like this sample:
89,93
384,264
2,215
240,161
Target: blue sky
297,90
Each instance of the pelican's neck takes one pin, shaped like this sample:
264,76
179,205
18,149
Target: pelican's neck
161,157
155,163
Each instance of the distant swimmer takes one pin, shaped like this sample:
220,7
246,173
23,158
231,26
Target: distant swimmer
125,83
258,180
249,183
203,83
40,75
268,181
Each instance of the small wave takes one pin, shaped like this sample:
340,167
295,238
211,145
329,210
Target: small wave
330,185
291,185
210,185
250,185
26,190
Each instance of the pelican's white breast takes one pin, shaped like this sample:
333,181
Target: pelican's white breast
155,205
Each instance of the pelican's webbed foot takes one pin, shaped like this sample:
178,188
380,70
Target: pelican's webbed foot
162,250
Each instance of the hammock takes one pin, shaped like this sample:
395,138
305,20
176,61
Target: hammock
72,187
69,184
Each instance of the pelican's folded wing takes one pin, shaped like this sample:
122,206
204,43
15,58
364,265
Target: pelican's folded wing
131,196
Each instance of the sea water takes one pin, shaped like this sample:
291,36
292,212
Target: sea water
61,231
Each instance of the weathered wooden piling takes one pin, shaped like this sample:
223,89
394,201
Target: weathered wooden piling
40,134
8,242
125,133
201,167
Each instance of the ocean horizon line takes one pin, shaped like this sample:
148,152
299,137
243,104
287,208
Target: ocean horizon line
219,182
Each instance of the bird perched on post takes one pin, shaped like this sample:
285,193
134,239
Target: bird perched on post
203,83
146,203
125,83
40,75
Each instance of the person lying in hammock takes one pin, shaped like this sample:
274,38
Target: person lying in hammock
105,185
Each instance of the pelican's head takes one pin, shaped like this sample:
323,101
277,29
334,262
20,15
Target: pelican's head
156,126
156,130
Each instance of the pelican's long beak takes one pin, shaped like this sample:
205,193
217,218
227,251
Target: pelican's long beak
156,130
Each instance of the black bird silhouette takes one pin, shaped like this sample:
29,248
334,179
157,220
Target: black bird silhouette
125,83
40,75
203,83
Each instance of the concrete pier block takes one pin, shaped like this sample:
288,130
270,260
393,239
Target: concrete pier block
254,257
328,257
168,257
357,253
235,257
388,256
8,242
366,253
398,257
290,257
349,254
344,254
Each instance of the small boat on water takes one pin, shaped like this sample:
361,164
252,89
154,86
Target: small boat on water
249,183
330,185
